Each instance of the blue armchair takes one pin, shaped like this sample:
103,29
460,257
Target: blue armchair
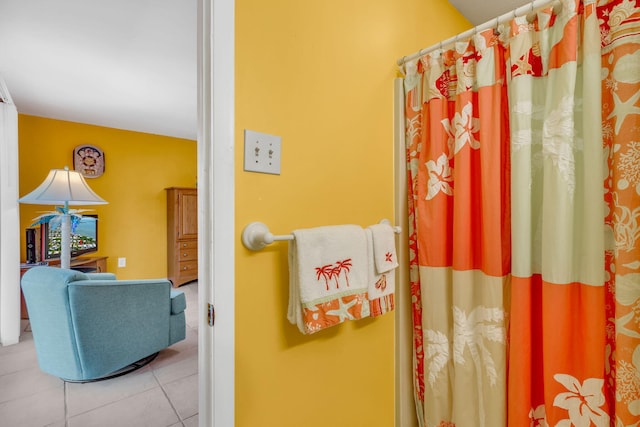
91,326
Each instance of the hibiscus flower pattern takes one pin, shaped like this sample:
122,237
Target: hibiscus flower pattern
538,417
461,131
582,401
440,177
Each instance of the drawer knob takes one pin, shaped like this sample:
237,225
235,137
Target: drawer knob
185,254
184,268
184,245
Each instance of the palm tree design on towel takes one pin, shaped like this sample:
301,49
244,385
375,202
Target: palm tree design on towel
334,271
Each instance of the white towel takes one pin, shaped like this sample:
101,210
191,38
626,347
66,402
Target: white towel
328,277
384,247
382,277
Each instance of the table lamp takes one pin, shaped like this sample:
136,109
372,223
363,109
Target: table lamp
66,188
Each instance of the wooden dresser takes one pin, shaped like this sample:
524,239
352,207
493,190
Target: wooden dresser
182,235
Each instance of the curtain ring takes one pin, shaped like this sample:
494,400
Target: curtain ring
471,39
531,16
557,7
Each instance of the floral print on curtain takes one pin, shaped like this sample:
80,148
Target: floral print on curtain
620,32
457,138
557,324
518,252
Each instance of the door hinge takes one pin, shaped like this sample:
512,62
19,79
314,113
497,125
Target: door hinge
211,314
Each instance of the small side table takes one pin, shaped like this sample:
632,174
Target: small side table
24,314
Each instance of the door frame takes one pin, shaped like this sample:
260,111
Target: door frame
216,212
9,221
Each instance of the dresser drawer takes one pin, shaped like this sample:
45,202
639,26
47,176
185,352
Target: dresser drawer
188,268
187,244
187,255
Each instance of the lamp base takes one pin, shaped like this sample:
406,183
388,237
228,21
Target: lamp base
65,240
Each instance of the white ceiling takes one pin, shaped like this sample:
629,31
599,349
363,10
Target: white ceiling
480,11
125,64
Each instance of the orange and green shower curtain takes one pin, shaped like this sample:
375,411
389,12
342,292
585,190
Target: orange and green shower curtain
523,149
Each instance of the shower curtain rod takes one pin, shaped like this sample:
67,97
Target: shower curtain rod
522,10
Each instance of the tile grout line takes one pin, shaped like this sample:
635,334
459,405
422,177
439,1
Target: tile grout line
103,405
167,397
66,409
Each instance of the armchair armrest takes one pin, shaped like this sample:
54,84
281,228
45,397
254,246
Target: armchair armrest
178,302
101,276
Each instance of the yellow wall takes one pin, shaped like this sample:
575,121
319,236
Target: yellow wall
139,166
319,74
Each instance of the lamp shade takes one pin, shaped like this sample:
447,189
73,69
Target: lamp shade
63,187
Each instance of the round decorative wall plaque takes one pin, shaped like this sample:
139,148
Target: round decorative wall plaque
88,160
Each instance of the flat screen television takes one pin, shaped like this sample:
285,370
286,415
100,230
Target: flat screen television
84,238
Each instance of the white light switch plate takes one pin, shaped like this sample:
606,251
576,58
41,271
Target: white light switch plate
262,152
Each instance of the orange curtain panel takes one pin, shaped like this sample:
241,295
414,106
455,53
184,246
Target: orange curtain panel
557,331
620,85
460,226
523,150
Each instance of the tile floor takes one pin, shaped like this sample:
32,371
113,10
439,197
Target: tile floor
162,394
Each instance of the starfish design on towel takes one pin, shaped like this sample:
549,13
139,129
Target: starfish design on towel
382,283
388,257
343,310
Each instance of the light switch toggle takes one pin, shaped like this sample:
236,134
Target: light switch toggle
262,152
